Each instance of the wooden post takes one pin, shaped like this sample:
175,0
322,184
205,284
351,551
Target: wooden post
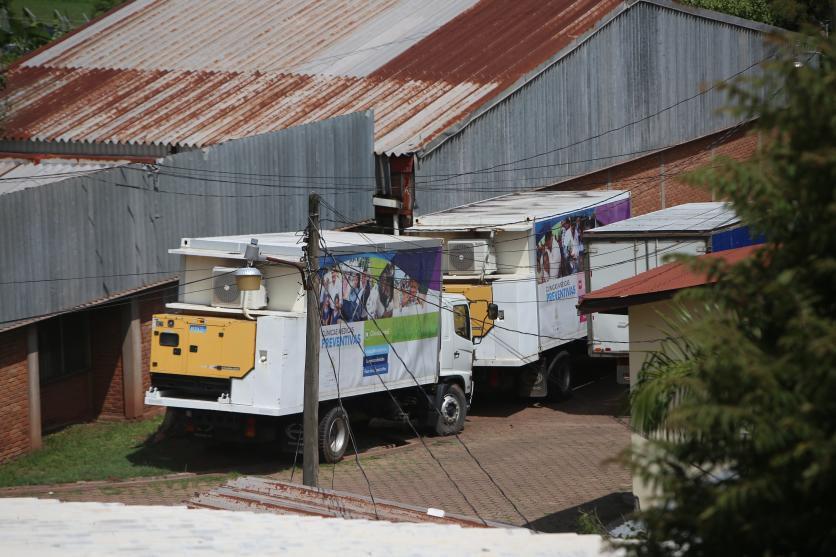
310,418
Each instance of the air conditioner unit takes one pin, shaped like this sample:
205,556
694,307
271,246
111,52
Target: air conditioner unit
470,257
225,293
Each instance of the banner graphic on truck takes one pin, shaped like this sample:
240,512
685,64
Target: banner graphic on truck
374,305
560,266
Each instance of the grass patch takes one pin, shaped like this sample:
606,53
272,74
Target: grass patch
589,523
98,451
117,451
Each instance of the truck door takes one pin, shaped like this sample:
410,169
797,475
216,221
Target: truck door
460,339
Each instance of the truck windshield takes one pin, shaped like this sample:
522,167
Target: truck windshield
461,320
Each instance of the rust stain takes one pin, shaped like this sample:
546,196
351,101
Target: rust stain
497,40
435,83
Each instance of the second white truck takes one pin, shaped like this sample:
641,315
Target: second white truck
519,260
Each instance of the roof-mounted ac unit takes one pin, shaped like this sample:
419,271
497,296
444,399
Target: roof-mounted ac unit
470,257
225,293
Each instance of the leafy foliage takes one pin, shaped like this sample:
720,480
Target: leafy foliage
789,14
746,464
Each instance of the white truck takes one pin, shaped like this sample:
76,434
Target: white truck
230,364
519,261
629,247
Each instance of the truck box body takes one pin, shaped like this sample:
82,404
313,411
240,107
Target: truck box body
632,246
209,356
524,253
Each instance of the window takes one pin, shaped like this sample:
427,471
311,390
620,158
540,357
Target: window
63,346
461,320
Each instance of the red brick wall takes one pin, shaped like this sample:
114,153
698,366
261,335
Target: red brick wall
14,394
66,401
147,308
654,181
107,331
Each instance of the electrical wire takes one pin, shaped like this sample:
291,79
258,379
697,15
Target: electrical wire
315,281
409,422
431,405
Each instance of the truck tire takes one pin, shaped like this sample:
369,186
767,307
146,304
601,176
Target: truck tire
333,435
452,410
560,378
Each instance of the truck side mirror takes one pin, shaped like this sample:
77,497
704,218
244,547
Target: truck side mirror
493,311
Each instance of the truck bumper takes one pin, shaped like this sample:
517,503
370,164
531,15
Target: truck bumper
158,398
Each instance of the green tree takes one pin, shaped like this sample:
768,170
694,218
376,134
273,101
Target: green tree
789,14
746,390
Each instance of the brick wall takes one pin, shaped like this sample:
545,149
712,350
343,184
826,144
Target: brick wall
107,331
147,308
66,401
654,181
14,394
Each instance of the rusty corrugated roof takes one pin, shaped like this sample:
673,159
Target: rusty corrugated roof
659,283
198,73
251,493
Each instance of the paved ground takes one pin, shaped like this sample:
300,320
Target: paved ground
550,461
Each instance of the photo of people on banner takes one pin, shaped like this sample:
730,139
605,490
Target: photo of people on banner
560,247
380,285
559,265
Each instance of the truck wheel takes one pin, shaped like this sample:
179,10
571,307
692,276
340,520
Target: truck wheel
333,435
452,410
560,378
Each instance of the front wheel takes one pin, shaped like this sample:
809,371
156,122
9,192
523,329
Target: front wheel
333,435
452,410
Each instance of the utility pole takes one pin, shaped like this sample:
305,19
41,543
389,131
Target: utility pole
310,417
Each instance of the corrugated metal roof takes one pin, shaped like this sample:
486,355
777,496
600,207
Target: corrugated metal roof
196,73
20,173
659,283
697,218
516,211
92,304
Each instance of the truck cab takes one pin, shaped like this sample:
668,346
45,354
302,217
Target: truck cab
456,354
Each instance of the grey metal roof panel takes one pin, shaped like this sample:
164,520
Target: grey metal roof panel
19,173
696,218
516,211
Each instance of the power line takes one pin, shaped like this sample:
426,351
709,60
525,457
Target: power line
342,408
596,136
432,406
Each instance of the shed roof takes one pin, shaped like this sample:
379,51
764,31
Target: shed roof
92,304
196,73
657,284
18,172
